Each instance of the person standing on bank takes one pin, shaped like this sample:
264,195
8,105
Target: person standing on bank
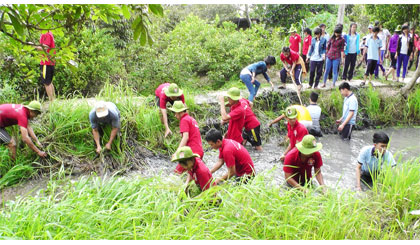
47,64
335,49
306,45
249,73
372,158
350,107
15,114
351,52
295,40
392,49
316,55
404,52
384,35
104,113
373,45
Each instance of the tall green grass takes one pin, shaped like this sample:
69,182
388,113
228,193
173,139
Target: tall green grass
157,208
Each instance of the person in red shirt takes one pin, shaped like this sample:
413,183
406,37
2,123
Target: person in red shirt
295,40
236,117
299,162
295,130
196,168
47,65
167,92
293,65
237,159
306,44
14,114
188,127
251,132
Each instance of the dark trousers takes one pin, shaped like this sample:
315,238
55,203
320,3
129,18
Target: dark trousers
298,74
349,62
306,64
316,66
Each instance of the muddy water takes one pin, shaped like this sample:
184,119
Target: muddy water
339,157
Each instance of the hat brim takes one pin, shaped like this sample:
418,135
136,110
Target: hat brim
178,110
184,158
167,93
233,97
101,114
32,109
308,151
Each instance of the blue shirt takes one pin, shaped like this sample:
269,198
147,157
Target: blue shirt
259,68
352,44
112,118
350,104
370,163
373,46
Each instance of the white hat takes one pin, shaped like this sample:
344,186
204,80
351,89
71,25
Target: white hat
101,109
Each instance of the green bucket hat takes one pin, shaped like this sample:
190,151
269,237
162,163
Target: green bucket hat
290,112
178,106
234,93
183,153
292,29
34,106
172,90
308,145
398,28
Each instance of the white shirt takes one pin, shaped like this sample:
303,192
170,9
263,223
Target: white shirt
383,35
404,45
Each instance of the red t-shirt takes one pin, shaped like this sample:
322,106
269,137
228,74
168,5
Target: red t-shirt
12,114
296,133
201,174
234,154
47,39
163,99
190,125
306,44
301,171
236,122
293,57
251,120
294,42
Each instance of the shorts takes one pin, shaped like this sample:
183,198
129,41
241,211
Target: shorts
371,66
47,74
4,136
393,60
253,136
346,133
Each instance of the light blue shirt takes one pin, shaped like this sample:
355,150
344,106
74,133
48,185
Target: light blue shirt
370,163
373,47
352,44
350,104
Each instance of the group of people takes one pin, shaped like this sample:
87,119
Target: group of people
322,55
303,122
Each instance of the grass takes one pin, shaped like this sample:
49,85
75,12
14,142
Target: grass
157,208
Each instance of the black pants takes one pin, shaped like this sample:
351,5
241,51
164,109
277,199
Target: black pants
346,133
349,62
306,64
316,67
371,66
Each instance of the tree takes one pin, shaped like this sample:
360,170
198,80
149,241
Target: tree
24,22
392,15
410,85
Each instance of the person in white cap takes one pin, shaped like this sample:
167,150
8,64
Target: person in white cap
104,113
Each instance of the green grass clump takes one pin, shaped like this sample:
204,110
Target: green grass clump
157,208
